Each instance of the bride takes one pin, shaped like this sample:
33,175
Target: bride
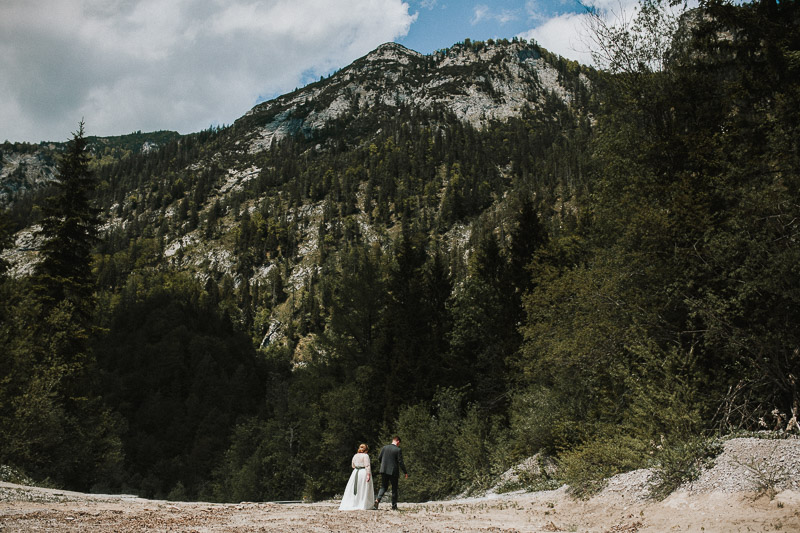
359,492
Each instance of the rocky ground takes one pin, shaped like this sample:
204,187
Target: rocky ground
754,486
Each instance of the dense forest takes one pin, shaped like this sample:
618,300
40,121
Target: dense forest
607,281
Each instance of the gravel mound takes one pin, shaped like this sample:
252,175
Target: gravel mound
752,465
761,466
634,485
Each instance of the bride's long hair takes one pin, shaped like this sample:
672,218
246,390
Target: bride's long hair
363,448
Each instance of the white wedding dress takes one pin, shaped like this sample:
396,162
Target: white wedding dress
359,493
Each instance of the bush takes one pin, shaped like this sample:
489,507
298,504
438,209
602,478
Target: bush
540,420
587,467
682,462
428,434
535,474
10,474
431,431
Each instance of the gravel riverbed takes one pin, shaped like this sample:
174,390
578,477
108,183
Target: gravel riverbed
729,497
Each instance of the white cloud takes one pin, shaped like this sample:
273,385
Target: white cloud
567,34
534,10
563,35
127,65
483,13
505,16
480,13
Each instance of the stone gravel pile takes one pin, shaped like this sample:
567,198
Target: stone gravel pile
752,465
758,465
634,485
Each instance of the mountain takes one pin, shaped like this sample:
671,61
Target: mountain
26,167
287,231
476,82
472,86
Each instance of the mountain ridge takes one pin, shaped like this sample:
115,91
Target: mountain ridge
29,167
474,97
478,82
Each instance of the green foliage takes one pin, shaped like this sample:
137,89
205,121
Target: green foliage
680,462
9,474
53,424
180,375
426,439
133,142
542,421
429,433
5,242
657,323
587,467
261,464
665,395
536,478
69,232
484,449
450,447
582,322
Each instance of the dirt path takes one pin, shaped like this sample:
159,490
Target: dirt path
727,498
33,509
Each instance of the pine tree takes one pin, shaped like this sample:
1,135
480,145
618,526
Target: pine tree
54,425
69,232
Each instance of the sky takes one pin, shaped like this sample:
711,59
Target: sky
184,65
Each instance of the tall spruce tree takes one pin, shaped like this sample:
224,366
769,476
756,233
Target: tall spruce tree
69,232
53,425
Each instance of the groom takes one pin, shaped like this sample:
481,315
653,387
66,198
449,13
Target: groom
391,458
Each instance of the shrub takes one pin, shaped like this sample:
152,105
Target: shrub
10,474
535,474
587,467
681,463
428,432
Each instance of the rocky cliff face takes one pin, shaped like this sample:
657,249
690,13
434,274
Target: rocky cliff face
22,171
28,167
477,83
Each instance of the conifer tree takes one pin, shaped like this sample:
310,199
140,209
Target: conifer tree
69,232
54,425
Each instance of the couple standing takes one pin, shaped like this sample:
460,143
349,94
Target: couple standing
359,491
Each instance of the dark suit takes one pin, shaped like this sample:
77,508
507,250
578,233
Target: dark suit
391,458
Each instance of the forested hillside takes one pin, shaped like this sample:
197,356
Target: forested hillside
27,170
490,249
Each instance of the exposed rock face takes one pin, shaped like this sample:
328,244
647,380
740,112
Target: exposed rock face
23,256
477,84
20,172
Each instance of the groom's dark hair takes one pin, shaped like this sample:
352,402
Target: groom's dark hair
396,438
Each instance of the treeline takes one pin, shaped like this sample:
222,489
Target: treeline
604,283
671,312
